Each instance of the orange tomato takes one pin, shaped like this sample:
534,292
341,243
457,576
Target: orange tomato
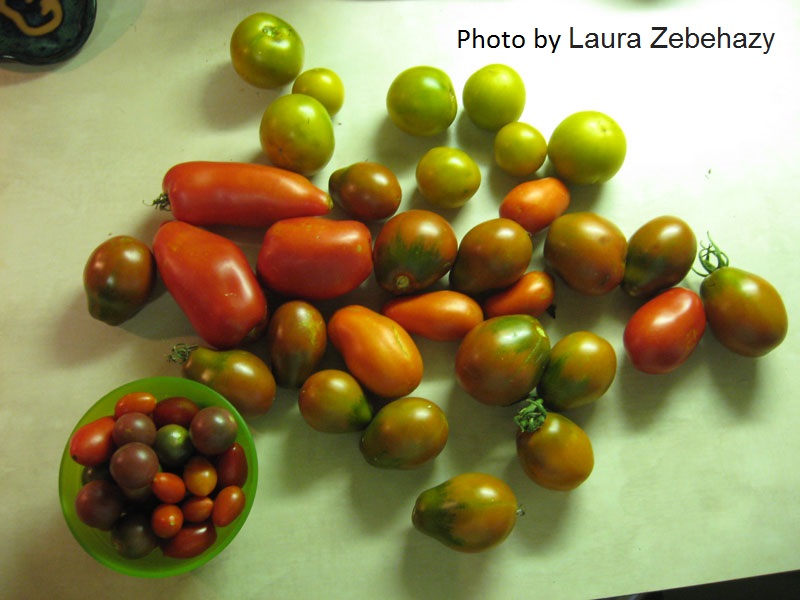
532,295
535,204
443,315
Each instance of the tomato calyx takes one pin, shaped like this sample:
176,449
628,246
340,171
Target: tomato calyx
160,203
180,352
711,257
532,416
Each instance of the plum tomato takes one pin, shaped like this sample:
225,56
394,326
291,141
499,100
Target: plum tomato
519,149
553,451
132,536
405,434
367,191
296,341
141,402
441,315
587,251
493,96
92,444
332,401
502,360
665,330
99,504
192,540
470,512
421,101
533,294
324,85
231,465
266,51
213,430
581,368
447,177
197,509
228,505
536,204
168,487
660,254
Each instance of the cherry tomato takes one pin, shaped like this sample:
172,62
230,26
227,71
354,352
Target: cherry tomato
536,204
494,96
132,535
192,540
266,51
231,465
134,465
173,445
197,509
532,294
296,341
211,280
413,250
519,149
447,177
664,331
166,520
470,512
213,430
587,251
168,487
442,315
367,191
134,427
99,504
379,353
118,279
324,85
92,444
200,476
141,402
422,101
228,504
405,434
175,410
553,451
332,401
315,258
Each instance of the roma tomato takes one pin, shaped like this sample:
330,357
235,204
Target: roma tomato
442,315
228,505
212,282
207,193
367,191
536,204
413,250
587,251
470,512
296,341
315,258
405,434
140,402
532,294
501,360
192,540
332,401
492,255
553,451
379,353
660,254
266,51
118,279
231,465
422,101
168,487
664,331
93,444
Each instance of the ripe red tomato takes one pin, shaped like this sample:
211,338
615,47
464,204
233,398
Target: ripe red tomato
93,444
192,540
443,315
231,465
228,504
531,295
535,204
166,520
139,402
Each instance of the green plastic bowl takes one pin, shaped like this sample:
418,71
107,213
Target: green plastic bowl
98,543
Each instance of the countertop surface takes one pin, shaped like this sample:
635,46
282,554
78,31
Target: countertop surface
696,475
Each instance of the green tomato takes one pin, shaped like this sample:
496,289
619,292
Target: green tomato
297,134
519,149
587,147
421,101
447,177
266,51
322,84
494,96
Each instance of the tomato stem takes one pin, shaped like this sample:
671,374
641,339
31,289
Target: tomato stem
711,257
531,416
161,203
180,352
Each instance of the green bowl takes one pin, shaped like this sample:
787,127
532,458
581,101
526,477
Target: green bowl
98,543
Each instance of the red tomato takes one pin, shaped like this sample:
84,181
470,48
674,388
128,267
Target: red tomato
200,476
212,282
535,204
228,504
168,487
532,295
192,540
443,315
93,444
315,258
139,402
664,331
231,466
175,410
166,520
197,509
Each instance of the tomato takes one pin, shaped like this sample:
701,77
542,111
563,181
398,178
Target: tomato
413,250
536,204
442,315
447,177
501,360
134,465
173,445
213,430
494,96
141,402
118,279
166,520
553,451
197,509
192,540
470,512
332,401
99,504
231,466
177,410
315,258
492,255
132,535
228,505
92,444
587,251
405,434
168,487
324,85
296,341
378,352
240,376
367,191
532,294
587,147
296,133
664,331
200,476
209,277
581,368
266,51
519,149
660,254
421,101
207,193
134,427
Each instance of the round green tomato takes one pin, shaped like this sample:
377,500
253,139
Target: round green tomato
519,149
297,134
421,101
447,177
266,51
332,401
587,147
493,96
324,85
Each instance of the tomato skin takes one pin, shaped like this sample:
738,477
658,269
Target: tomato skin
664,331
442,315
332,401
192,540
208,193
315,258
378,352
266,51
532,295
745,312
231,466
93,444
470,512
228,504
536,204
210,279
296,341
366,190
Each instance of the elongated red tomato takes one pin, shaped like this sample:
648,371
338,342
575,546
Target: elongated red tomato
664,331
212,282
227,193
442,315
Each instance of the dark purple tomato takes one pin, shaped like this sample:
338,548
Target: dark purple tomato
133,537
296,341
134,427
213,430
99,504
231,466
177,410
367,191
192,540
134,465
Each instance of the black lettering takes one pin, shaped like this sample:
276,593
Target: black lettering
463,36
663,31
572,44
756,37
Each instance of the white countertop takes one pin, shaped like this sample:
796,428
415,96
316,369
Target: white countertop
696,476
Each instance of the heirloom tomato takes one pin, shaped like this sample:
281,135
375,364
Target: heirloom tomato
532,295
447,177
296,340
470,512
379,353
413,250
493,96
536,204
231,466
421,101
132,536
501,360
442,315
324,85
332,401
213,430
519,149
266,51
367,191
99,504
